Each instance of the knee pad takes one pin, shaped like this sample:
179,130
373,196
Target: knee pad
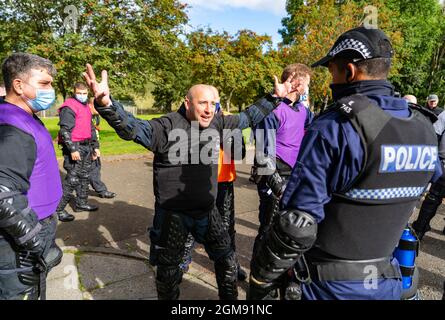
170,248
291,234
217,236
72,180
168,279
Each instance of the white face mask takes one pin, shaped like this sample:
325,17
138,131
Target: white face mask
82,98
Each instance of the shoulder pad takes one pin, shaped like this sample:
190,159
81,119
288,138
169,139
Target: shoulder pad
425,111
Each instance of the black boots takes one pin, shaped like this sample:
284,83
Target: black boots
107,194
85,207
64,216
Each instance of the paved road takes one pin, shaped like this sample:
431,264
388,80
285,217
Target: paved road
105,251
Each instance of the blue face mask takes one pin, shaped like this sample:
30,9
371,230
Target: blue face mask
44,99
81,98
304,98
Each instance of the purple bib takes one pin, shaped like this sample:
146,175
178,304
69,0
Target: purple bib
45,185
290,132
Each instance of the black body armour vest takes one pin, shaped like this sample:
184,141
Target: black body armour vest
184,181
366,219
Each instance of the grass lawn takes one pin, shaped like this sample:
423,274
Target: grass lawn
110,143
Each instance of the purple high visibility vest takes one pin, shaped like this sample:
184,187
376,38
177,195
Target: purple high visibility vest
45,190
82,127
290,132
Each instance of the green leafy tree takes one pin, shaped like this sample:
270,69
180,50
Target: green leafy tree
416,29
422,26
314,27
240,66
130,38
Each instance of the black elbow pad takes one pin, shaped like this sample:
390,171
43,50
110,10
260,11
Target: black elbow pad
292,233
22,225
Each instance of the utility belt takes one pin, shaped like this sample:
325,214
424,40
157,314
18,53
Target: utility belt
322,267
85,142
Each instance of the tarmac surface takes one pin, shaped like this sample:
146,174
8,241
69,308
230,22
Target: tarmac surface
106,252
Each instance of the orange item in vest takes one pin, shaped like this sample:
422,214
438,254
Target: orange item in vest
226,172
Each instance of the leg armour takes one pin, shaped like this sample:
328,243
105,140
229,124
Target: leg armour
429,208
291,234
167,282
169,254
218,244
225,202
271,208
83,173
226,270
70,184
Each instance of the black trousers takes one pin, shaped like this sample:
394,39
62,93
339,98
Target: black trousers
225,203
95,179
429,206
168,237
78,177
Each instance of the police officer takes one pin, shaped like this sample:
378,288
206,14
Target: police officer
79,147
362,167
185,179
30,186
437,190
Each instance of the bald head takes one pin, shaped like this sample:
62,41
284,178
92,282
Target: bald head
410,98
200,104
198,89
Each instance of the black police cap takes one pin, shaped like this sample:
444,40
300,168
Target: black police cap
361,44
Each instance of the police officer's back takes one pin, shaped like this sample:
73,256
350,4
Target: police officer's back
362,167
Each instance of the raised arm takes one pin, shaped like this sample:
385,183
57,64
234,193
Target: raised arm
254,114
124,123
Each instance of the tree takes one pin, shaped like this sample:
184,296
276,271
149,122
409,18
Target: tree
130,38
313,30
422,27
240,66
416,31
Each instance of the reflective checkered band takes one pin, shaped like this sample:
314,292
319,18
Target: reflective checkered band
351,44
384,194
